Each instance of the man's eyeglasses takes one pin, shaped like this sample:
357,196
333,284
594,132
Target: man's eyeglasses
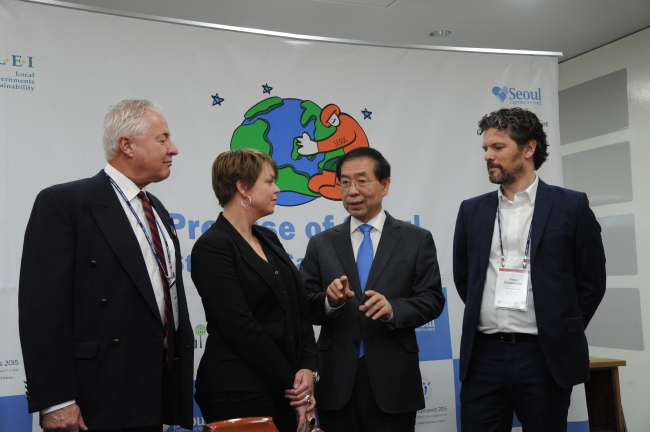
359,184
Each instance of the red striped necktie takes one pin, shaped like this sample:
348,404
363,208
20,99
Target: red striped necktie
169,315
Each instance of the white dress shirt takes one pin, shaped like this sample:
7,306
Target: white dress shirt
516,217
356,237
131,191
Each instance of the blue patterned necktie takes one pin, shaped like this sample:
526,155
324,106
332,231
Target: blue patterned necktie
364,256
364,264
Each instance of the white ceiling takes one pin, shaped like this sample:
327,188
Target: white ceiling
572,27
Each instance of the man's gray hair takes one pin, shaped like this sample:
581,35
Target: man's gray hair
125,118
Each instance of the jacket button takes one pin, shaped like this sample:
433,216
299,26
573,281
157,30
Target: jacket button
115,342
93,263
355,343
103,302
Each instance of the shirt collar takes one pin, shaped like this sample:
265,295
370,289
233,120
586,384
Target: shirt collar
530,192
128,187
377,222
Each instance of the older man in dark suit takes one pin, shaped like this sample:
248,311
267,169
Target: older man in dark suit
104,326
529,265
371,281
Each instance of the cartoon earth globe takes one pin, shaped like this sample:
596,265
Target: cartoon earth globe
272,126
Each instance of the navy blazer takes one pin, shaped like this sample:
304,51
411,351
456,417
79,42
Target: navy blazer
250,346
405,270
90,327
567,275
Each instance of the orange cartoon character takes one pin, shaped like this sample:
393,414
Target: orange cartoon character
348,136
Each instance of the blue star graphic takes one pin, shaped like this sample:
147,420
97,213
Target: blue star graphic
216,100
266,88
366,114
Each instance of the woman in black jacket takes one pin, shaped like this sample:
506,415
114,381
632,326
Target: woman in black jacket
260,355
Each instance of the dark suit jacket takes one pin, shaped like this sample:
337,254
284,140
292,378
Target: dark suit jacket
405,270
249,346
567,276
90,328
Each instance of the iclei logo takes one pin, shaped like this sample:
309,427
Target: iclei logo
17,61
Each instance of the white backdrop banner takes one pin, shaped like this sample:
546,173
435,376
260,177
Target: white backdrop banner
60,70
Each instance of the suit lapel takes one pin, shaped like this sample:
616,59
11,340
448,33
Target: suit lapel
388,242
343,248
254,260
543,203
168,223
114,225
486,230
282,254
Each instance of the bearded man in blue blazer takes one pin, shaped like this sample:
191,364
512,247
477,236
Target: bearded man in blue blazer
530,266
104,326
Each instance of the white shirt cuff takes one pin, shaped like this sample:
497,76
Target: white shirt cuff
57,407
331,311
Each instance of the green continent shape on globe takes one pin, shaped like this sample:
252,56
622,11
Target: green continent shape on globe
311,111
264,107
253,136
290,179
331,160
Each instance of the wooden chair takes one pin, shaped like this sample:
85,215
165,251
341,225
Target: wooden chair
251,424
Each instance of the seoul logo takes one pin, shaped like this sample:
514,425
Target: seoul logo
306,142
500,92
518,97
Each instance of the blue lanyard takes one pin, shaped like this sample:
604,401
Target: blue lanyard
530,230
146,234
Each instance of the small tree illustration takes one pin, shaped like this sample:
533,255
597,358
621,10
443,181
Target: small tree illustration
200,330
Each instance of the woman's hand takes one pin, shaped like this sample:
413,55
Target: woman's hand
302,392
305,414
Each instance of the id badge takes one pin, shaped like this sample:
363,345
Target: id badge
512,289
173,291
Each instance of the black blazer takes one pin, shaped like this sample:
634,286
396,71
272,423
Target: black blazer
405,270
567,276
90,328
249,342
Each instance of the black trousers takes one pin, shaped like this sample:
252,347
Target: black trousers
218,406
361,413
505,378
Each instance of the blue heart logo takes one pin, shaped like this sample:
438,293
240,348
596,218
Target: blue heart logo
500,93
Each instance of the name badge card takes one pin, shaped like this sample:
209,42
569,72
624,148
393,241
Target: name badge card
512,289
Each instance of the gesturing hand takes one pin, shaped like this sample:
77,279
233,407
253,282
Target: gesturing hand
338,292
376,306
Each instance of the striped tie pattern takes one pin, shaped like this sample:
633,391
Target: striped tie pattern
169,315
364,264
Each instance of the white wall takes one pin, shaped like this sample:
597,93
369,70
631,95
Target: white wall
620,329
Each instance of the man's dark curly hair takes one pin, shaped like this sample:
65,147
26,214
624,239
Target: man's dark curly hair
522,126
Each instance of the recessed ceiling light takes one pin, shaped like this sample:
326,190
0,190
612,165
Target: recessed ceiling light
441,33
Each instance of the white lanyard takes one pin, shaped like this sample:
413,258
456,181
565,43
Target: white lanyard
146,234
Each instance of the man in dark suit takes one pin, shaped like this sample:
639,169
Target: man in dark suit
104,326
529,265
371,281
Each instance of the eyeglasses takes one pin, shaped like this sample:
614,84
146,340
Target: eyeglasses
359,184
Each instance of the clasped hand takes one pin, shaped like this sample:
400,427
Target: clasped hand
302,396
